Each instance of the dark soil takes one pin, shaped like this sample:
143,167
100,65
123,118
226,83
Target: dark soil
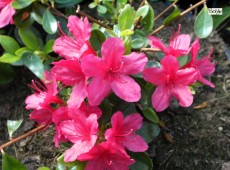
201,137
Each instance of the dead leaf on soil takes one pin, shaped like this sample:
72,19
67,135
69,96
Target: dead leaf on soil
201,106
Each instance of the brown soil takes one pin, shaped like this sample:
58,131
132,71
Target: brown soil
201,137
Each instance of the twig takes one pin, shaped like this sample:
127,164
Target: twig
58,13
91,18
142,3
181,14
138,21
158,16
149,50
14,140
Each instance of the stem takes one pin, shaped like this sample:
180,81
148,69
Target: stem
181,14
149,50
91,18
58,13
142,3
158,16
14,140
138,21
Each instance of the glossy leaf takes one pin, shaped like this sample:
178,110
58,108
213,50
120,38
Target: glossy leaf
219,19
203,23
128,44
149,131
66,3
29,39
101,9
43,168
139,41
6,73
9,44
147,14
183,60
172,16
49,46
10,163
151,115
126,32
126,18
13,125
49,22
9,58
71,165
34,63
92,5
23,19
19,4
96,39
38,12
142,161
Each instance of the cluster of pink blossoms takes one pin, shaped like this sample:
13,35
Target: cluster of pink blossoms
6,12
94,78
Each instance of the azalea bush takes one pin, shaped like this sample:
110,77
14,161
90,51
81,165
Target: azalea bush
102,82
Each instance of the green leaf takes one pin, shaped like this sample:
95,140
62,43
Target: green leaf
151,115
149,131
19,4
76,165
139,41
13,125
34,63
142,161
128,44
101,9
49,22
126,32
92,5
9,44
49,46
147,21
183,60
10,163
96,40
172,16
29,39
6,73
23,19
106,108
43,168
126,18
66,3
219,19
203,23
9,58
38,12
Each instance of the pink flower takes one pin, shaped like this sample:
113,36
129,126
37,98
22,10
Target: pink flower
123,132
178,45
106,156
82,131
75,46
42,116
203,66
44,95
170,82
6,12
69,72
112,72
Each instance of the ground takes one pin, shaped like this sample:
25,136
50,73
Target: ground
201,137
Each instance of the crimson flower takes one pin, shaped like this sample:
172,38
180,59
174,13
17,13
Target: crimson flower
82,131
69,72
203,66
6,12
123,132
106,156
178,44
44,95
111,72
73,47
171,82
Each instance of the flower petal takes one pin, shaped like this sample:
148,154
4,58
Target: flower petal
112,50
186,76
133,121
42,116
79,29
121,86
181,43
205,81
135,143
157,43
154,76
93,66
98,89
6,14
134,63
161,98
183,94
170,65
78,95
68,72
